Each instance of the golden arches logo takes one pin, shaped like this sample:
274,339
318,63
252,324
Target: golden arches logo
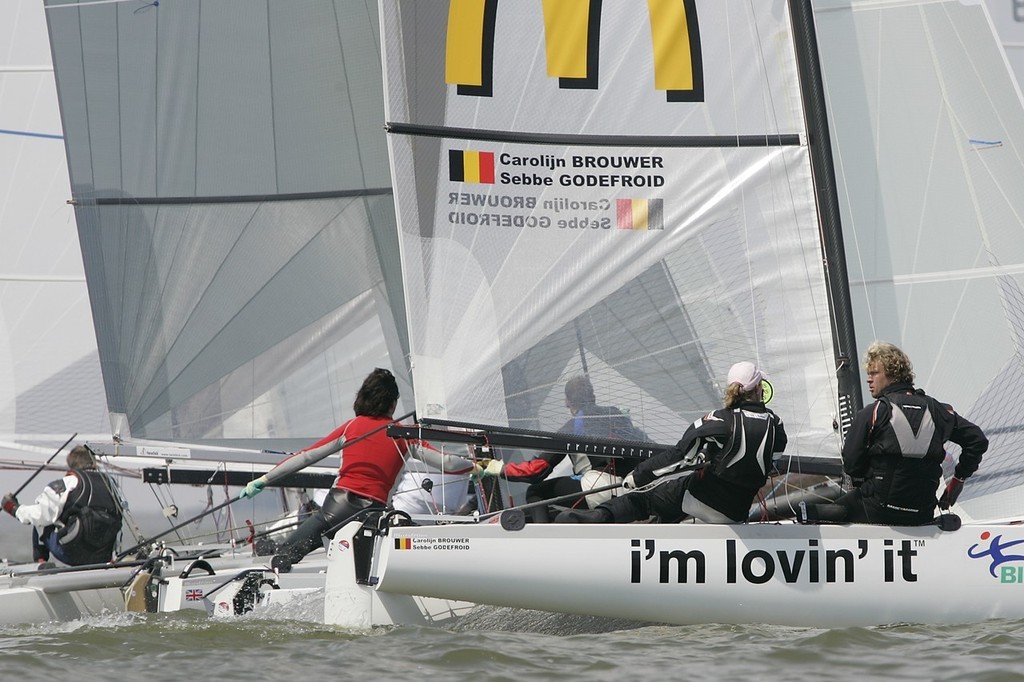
572,33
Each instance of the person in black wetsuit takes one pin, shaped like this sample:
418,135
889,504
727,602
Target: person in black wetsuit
76,518
738,442
589,471
894,450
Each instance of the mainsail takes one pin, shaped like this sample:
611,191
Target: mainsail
929,135
233,201
617,188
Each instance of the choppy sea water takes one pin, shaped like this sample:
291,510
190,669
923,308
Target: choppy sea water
499,644
285,643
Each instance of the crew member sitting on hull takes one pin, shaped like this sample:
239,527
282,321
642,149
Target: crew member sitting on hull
369,467
76,518
589,471
894,450
739,444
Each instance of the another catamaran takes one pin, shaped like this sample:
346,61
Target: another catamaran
230,184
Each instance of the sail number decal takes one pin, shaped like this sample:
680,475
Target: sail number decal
572,37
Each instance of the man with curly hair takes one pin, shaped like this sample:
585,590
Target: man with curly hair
894,450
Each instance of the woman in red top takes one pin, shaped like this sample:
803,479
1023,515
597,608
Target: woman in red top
368,470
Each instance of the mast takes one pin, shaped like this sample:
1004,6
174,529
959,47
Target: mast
844,340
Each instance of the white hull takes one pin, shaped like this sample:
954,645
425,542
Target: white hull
818,576
27,598
72,593
346,601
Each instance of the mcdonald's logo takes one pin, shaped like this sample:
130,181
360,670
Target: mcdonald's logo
572,36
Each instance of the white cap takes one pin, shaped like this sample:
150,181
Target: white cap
746,375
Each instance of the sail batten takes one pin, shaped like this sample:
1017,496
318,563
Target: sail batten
752,140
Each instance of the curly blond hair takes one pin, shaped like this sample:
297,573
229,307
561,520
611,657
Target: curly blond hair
893,361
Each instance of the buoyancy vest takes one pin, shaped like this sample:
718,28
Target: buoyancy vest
746,457
91,520
907,452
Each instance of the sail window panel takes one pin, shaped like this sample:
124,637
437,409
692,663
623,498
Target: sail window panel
359,37
328,97
136,100
175,54
85,61
236,118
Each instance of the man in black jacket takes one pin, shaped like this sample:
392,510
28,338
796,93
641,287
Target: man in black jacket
894,450
76,518
739,444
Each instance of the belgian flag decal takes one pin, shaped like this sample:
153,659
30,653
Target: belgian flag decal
639,214
471,166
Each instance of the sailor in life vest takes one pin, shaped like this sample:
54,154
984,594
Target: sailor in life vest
588,471
894,450
76,518
736,445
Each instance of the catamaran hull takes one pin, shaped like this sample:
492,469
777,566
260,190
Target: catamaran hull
818,576
352,602
62,597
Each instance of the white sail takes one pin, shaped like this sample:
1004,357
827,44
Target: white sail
50,382
233,201
1008,18
639,206
928,127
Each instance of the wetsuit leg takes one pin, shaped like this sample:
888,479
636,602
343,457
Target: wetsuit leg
40,552
339,505
664,501
551,488
848,508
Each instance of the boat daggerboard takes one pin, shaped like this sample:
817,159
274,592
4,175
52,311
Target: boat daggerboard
617,188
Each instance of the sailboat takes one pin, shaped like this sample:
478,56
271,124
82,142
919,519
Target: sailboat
50,382
230,185
649,192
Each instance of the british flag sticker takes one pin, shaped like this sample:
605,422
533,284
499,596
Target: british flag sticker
193,595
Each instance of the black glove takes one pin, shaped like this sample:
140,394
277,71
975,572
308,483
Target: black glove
949,495
10,504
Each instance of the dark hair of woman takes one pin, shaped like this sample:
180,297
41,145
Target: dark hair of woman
377,396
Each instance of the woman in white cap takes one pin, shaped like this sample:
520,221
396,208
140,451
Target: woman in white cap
738,442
